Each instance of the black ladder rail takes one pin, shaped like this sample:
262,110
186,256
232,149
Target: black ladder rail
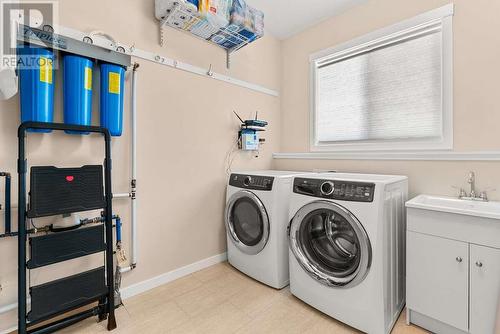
109,307
63,323
8,221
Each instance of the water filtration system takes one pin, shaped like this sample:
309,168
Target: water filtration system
37,84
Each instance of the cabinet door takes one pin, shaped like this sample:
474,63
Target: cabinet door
484,289
437,271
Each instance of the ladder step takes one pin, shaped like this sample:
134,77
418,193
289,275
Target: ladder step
57,191
63,246
66,294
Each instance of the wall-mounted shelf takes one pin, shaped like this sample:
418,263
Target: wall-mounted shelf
190,22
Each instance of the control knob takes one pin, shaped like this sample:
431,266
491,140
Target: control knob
247,181
327,188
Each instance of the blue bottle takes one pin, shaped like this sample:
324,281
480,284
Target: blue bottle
77,91
112,91
36,84
194,2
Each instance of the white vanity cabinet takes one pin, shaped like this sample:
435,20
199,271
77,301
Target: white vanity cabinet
453,270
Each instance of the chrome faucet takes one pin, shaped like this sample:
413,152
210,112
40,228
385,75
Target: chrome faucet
471,179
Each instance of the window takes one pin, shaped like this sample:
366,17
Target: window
389,90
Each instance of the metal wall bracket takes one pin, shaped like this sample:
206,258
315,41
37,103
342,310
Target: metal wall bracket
162,34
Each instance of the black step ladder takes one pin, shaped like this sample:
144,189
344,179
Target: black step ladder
55,191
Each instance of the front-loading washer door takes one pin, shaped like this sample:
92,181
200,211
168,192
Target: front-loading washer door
247,222
330,244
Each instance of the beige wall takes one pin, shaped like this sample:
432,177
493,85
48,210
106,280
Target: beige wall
185,129
476,88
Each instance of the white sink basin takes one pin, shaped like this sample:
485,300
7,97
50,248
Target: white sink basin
455,205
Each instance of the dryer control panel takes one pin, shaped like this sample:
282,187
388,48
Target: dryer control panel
252,182
335,189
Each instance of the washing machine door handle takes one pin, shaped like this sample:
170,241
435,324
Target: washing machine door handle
288,227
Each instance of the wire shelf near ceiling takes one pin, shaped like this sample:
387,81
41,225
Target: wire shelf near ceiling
190,22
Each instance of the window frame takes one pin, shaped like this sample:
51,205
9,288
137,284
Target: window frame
442,16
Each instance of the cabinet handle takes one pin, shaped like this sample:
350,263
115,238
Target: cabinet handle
479,264
459,259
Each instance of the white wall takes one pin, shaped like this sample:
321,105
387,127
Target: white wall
181,159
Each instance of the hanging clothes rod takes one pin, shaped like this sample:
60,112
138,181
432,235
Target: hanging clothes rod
105,41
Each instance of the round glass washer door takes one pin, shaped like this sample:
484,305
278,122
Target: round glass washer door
247,222
330,244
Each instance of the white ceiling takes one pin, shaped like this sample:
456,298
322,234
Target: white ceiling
284,18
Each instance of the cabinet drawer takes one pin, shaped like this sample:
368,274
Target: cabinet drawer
476,230
437,278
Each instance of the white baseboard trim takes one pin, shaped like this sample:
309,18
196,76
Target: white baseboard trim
170,276
159,280
9,330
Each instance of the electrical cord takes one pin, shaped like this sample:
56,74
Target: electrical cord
230,157
33,225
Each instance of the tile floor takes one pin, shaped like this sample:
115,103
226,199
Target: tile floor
220,299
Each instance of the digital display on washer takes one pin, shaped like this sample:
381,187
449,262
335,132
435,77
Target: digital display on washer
252,182
335,189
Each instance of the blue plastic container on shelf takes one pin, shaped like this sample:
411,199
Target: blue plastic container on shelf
194,2
112,91
77,91
36,84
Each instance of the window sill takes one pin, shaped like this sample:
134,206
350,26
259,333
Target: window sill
409,156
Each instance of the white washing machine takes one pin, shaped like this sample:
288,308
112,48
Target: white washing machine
256,218
347,247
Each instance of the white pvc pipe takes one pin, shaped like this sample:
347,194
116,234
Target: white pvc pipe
133,220
124,195
8,308
126,269
12,307
134,164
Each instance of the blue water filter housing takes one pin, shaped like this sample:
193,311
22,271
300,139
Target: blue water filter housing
111,101
77,91
36,84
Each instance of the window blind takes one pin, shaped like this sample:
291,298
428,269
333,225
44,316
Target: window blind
386,90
